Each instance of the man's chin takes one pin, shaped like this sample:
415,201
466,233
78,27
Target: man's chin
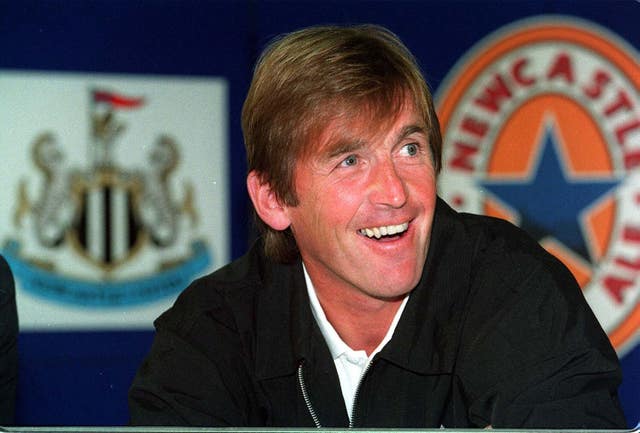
392,289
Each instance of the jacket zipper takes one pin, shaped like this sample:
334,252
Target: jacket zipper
305,396
307,399
352,419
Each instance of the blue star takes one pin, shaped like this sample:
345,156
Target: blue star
550,203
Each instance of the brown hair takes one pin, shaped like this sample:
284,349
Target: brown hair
307,78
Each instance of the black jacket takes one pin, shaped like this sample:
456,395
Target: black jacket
8,345
497,332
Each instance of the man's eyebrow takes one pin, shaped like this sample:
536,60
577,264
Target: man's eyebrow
341,147
346,145
412,129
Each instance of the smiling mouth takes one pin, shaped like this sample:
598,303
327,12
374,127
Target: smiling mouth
384,231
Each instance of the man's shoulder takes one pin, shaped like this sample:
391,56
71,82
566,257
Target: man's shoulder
526,328
220,294
494,240
505,264
514,282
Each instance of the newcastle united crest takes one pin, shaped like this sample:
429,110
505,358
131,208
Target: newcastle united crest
128,229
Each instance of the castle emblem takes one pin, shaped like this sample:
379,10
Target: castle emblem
123,226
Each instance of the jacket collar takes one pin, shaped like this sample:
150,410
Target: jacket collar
283,319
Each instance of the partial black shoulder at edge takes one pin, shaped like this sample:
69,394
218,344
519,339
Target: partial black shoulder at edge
6,275
7,285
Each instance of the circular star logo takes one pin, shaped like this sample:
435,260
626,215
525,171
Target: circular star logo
541,124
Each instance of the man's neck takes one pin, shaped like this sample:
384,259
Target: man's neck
360,329
360,320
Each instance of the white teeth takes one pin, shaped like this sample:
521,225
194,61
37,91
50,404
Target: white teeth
378,232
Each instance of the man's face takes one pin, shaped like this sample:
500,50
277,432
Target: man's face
366,203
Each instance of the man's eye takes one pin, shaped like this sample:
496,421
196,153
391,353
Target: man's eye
349,161
411,149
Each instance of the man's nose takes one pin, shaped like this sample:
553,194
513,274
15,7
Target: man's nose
387,186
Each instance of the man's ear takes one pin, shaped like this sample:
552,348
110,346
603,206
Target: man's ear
267,205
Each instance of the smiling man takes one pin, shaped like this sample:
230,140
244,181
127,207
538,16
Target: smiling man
367,301
362,219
